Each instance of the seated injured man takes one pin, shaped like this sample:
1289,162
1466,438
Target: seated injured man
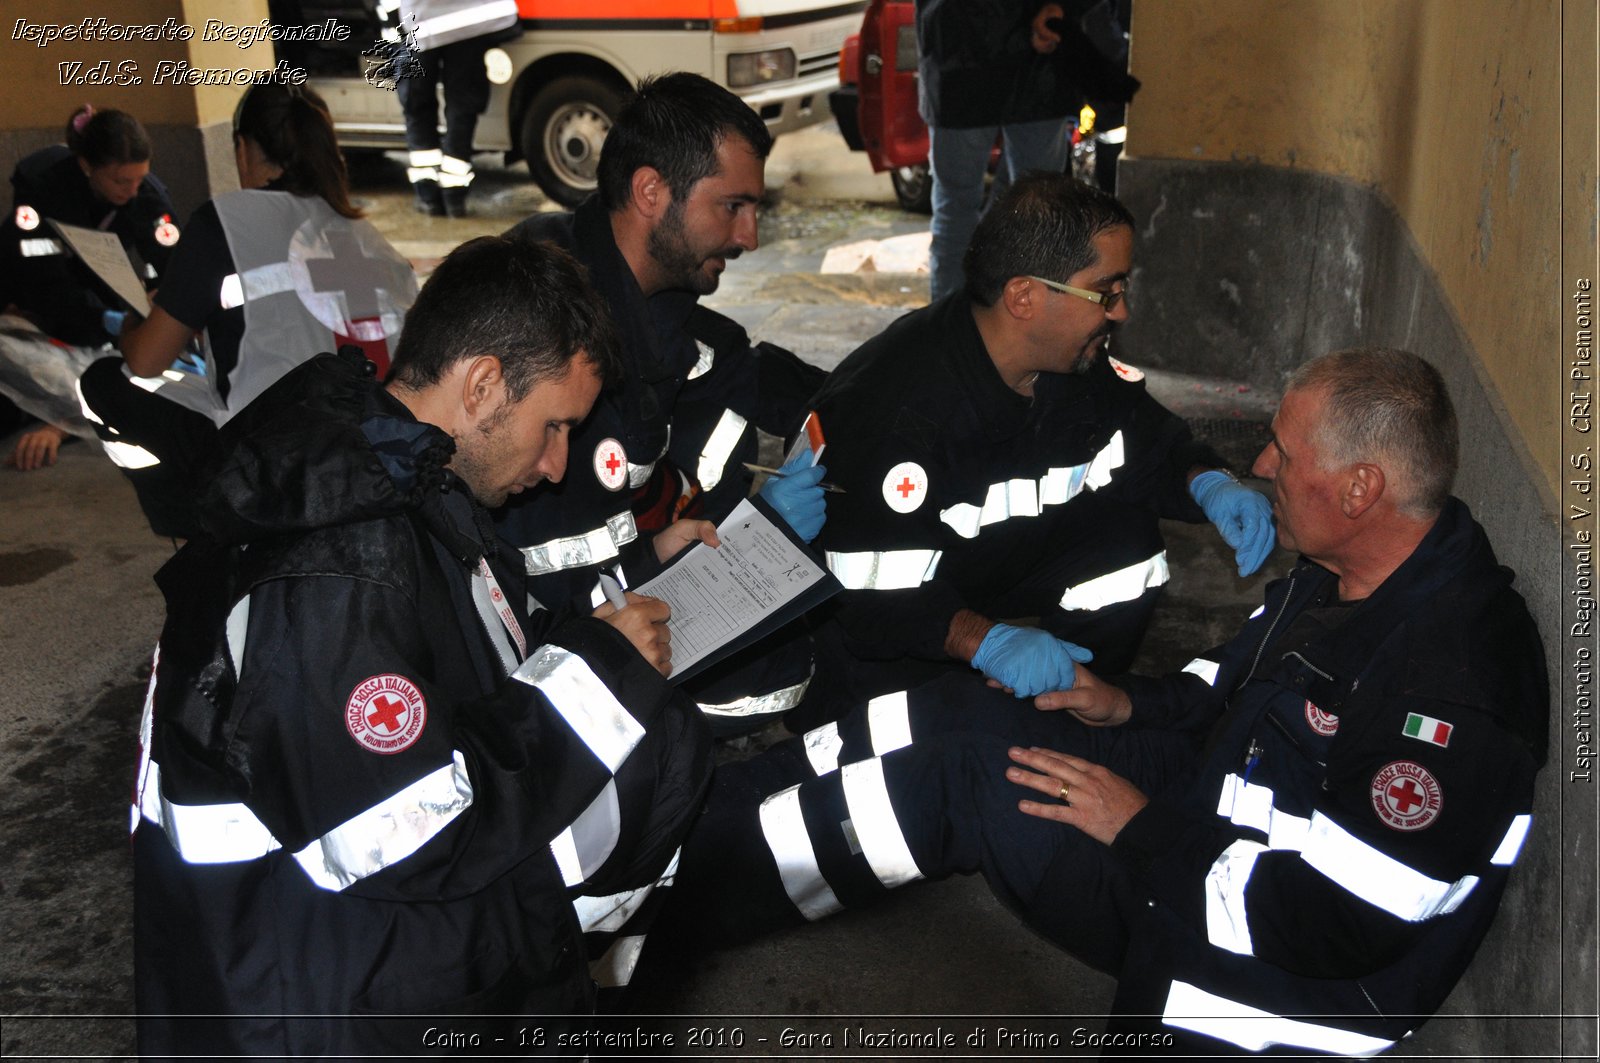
1295,843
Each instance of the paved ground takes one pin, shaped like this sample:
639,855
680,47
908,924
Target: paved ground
79,614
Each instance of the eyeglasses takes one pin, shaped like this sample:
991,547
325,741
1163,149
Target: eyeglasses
1109,300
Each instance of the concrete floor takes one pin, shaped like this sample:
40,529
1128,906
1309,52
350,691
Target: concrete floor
79,615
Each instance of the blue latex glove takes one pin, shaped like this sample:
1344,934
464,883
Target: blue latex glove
111,321
1243,516
1028,660
797,495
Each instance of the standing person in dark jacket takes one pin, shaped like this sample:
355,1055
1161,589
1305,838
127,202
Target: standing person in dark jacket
371,778
1298,841
681,176
996,462
58,316
986,68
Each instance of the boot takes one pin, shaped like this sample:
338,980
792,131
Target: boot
429,199
455,202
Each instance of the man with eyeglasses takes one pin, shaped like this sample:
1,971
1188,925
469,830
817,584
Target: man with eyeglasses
996,462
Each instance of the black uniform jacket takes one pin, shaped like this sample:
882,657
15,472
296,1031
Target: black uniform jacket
1366,787
953,481
366,759
51,285
692,390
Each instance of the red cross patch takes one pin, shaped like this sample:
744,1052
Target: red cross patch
27,218
1124,370
1406,796
905,488
385,713
166,232
611,465
1324,723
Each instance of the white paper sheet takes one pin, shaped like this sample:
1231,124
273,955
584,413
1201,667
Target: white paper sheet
717,595
103,253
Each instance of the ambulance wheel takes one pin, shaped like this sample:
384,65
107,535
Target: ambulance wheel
562,131
913,188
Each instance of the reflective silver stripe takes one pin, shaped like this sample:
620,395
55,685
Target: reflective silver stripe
424,165
702,364
231,294
784,828
1378,878
888,570
205,834
1123,585
822,748
639,475
1227,926
40,247
147,720
889,723
1205,669
719,448
583,847
611,913
867,796
1250,805
1027,497
439,25
153,384
274,278
454,172
389,831
584,701
238,624
781,700
615,967
1342,858
1259,610
1189,1007
1104,464
122,455
1511,844
580,551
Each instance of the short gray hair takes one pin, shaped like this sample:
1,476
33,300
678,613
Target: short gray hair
1390,408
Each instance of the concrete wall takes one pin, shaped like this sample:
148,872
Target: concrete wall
189,125
1311,174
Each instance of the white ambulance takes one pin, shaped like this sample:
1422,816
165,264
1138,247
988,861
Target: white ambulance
556,87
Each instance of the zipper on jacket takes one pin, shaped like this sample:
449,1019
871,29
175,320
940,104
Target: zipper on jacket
1283,605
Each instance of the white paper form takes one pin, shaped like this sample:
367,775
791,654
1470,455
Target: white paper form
103,253
718,595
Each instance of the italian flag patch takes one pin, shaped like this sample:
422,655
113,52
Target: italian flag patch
1427,729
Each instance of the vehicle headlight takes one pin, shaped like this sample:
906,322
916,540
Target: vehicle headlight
759,68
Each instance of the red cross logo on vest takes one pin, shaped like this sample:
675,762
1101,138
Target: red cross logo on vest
611,465
1406,796
905,487
385,713
27,218
357,281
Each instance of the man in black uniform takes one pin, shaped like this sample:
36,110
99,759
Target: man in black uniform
998,463
1297,841
680,181
370,776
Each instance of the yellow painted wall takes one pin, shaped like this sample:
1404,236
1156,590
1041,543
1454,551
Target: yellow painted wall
35,97
1451,108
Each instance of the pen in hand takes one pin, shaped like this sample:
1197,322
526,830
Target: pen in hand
612,590
825,485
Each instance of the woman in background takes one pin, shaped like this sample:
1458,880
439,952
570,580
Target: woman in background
58,316
266,277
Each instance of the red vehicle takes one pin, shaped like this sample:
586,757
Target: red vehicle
876,102
876,107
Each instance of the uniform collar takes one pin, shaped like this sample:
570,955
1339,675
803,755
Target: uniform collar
1001,411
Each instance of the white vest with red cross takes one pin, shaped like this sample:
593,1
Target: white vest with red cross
310,280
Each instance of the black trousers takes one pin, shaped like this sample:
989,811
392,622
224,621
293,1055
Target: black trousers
181,439
459,68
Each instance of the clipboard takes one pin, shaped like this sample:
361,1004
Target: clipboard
108,260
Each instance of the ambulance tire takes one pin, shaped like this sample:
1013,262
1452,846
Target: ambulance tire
913,188
562,131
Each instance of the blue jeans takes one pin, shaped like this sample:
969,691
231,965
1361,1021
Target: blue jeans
958,159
